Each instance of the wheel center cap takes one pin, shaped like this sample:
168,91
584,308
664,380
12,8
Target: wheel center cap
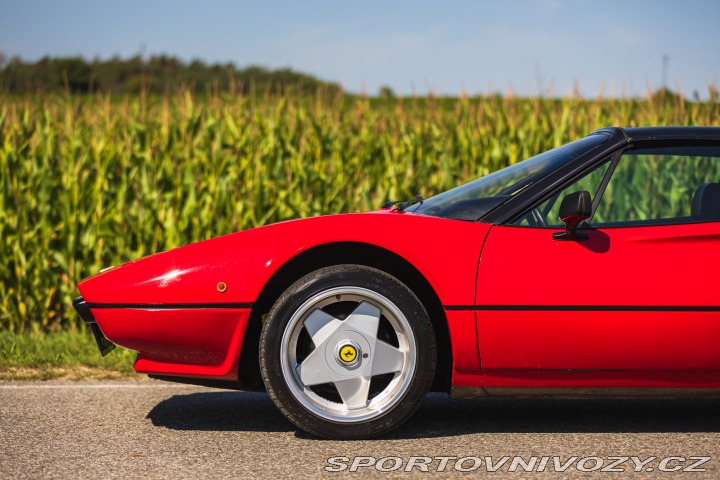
348,353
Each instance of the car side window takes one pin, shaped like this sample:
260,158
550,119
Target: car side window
658,186
546,215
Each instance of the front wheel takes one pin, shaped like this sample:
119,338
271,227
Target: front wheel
347,352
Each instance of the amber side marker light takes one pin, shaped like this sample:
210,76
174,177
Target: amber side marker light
221,287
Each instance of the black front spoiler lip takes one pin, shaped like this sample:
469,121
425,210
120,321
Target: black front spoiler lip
83,308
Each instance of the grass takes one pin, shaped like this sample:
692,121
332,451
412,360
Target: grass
65,355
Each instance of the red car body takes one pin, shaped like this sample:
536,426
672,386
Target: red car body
618,336
515,311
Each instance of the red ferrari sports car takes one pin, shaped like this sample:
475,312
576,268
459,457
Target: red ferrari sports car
591,269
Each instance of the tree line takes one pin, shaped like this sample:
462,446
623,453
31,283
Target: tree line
157,74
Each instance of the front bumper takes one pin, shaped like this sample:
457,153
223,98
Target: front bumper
200,340
83,308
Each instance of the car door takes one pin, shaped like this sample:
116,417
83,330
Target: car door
642,292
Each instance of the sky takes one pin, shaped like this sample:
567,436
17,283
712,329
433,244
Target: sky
529,47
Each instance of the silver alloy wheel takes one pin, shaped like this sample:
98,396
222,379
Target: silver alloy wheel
348,354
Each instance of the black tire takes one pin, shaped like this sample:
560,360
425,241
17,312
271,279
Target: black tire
416,381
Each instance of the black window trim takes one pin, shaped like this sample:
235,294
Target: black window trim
654,222
592,163
613,157
605,181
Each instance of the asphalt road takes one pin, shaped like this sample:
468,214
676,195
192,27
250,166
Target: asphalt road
152,429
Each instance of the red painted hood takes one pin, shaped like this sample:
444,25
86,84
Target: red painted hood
445,251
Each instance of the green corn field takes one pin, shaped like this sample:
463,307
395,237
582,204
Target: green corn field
87,182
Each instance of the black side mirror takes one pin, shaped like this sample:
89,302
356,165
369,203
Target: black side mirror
574,208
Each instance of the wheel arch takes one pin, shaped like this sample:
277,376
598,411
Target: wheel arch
337,253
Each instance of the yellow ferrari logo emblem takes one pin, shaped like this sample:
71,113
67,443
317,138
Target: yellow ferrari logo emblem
348,353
